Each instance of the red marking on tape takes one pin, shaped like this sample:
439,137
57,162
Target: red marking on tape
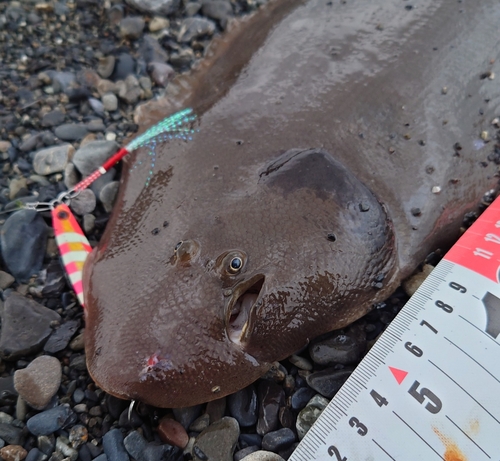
400,375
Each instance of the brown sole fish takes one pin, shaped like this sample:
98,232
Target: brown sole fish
338,144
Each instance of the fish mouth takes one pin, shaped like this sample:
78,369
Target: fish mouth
241,306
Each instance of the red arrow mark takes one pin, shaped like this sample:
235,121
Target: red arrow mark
398,374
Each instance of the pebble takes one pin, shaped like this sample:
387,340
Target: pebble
161,73
71,131
88,223
262,455
4,146
220,10
240,454
341,348
216,409
13,453
60,338
278,440
10,434
132,27
78,435
53,118
158,23
217,442
172,432
114,447
52,159
23,240
18,187
110,102
84,202
200,423
62,446
141,450
6,280
49,421
300,362
186,415
124,66
39,381
19,338
242,406
108,194
308,416
327,382
271,396
91,156
106,66
301,397
195,27
160,7
98,108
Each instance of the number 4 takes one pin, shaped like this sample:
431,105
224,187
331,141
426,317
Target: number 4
381,401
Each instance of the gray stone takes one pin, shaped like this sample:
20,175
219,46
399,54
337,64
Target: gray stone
98,108
71,131
141,450
106,66
114,447
218,441
49,421
18,187
220,10
161,7
84,202
132,27
151,50
110,102
161,73
6,280
52,159
12,435
158,23
308,416
131,91
88,223
341,348
26,325
327,382
195,27
53,118
262,455
61,337
108,195
278,440
124,66
271,398
243,406
39,381
91,156
70,176
23,240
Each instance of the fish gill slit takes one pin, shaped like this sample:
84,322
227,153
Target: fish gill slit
240,311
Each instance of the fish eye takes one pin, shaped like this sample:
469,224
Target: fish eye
177,246
235,265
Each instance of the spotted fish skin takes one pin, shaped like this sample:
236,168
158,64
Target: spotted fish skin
74,247
323,130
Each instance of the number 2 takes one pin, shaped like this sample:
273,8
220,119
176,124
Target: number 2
333,450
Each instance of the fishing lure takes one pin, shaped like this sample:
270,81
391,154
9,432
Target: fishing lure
71,241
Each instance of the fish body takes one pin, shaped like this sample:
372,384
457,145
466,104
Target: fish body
337,145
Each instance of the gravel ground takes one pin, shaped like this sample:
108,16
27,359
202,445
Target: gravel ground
71,74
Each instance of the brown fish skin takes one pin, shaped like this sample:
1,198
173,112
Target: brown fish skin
292,176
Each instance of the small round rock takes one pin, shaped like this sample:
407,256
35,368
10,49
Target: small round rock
172,432
13,453
39,381
263,455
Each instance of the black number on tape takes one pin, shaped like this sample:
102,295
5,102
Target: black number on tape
415,350
381,401
355,422
458,287
427,324
434,406
333,451
446,307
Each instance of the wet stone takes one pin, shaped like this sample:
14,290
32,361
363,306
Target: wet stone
49,421
53,118
61,337
140,450
132,27
200,424
98,108
186,415
195,27
328,382
114,447
108,195
240,454
106,66
71,131
53,159
308,416
10,434
91,156
161,73
172,432
252,439
271,396
301,397
160,7
88,223
36,455
39,381
6,280
342,348
218,441
110,102
124,66
263,455
84,202
278,440
242,406
26,325
220,10
46,444
300,362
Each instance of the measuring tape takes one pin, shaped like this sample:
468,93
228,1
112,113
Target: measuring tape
429,388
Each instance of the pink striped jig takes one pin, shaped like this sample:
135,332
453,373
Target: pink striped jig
71,241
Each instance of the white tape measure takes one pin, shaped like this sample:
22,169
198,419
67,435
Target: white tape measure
429,388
